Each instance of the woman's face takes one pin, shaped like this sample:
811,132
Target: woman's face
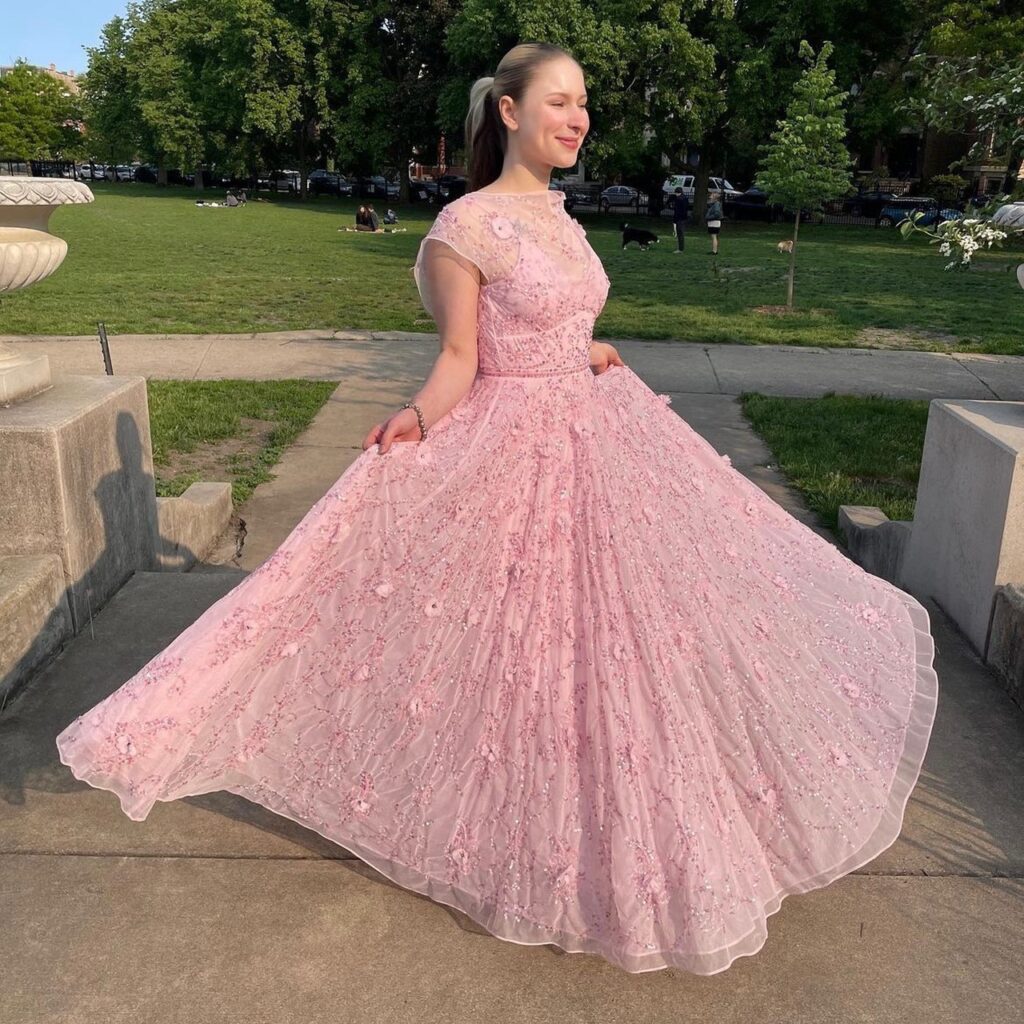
546,128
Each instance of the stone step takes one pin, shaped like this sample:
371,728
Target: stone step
34,616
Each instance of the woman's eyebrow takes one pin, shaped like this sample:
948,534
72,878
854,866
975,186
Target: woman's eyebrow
565,94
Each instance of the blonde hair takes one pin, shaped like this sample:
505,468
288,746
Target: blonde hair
486,134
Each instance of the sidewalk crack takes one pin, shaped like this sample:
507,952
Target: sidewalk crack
984,384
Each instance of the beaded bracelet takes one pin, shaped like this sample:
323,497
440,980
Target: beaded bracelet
419,418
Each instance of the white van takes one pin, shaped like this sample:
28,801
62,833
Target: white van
686,183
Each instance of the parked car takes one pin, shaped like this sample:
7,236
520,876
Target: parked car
452,185
1010,216
281,181
377,185
570,195
322,182
900,209
621,195
868,203
424,190
752,205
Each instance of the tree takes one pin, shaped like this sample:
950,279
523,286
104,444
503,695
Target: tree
971,69
110,99
806,161
35,114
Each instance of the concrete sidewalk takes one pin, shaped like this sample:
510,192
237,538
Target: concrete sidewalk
216,911
395,356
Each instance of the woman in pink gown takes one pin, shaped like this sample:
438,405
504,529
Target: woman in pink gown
556,663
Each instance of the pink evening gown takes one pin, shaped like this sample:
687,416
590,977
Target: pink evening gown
559,666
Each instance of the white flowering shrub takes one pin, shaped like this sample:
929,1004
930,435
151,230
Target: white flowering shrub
959,239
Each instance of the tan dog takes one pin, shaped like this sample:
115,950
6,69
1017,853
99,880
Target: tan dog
786,246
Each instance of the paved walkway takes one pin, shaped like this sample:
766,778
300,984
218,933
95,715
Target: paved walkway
678,366
215,911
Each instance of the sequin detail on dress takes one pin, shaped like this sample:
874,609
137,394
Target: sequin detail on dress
559,666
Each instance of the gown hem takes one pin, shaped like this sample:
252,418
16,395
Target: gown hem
884,835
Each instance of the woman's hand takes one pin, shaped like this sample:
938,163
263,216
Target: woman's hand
402,426
603,356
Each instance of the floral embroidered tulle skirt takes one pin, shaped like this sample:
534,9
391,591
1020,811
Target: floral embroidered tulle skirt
559,666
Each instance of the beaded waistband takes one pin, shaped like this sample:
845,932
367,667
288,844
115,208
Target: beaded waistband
534,373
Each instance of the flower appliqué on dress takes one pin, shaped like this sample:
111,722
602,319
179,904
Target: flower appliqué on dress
868,612
502,227
361,800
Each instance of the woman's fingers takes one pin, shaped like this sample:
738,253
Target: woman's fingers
372,436
387,437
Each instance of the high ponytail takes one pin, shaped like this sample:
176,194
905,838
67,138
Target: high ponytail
486,134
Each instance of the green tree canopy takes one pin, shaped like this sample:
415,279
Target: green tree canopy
38,116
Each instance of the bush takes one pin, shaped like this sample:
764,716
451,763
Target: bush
947,188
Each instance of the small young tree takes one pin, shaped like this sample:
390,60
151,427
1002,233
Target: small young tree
806,161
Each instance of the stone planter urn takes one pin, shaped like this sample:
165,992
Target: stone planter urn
29,253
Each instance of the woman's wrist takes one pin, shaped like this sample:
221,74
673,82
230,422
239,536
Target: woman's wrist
421,419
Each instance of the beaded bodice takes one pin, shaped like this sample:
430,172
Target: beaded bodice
544,284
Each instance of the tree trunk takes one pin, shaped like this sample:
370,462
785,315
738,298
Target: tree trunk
1013,166
792,263
302,160
700,189
654,198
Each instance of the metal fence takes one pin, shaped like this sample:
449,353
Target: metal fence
39,168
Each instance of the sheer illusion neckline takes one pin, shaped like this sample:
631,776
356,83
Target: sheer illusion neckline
522,195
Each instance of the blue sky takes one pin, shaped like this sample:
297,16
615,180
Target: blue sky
54,31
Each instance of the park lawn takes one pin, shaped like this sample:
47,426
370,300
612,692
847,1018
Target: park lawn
845,449
227,430
147,260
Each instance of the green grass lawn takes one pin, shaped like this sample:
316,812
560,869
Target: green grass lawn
233,430
146,260
845,449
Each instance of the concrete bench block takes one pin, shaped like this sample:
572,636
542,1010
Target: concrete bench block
76,479
968,534
876,542
34,616
191,523
1006,640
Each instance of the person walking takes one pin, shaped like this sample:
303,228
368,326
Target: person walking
713,218
541,653
680,215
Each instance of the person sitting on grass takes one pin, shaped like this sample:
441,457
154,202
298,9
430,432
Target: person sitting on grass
371,222
364,222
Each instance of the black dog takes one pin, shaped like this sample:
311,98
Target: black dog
639,235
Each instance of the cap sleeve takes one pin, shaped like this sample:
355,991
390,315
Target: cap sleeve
470,230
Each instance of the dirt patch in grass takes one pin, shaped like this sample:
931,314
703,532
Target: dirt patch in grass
795,311
214,460
906,338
